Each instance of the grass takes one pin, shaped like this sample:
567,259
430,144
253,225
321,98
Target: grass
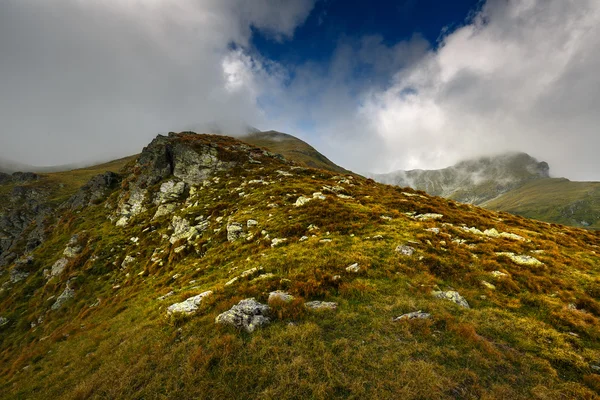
534,336
554,200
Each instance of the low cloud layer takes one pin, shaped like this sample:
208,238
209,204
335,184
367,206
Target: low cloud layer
82,81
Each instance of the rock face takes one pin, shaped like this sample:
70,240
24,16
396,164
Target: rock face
95,190
453,296
472,181
188,306
67,294
248,314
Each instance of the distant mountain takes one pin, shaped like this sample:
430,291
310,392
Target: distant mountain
472,181
512,182
292,149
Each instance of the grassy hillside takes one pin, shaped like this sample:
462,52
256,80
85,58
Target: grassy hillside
59,186
556,200
292,149
532,329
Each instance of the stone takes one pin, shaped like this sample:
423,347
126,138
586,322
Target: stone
353,268
73,248
433,230
498,274
189,306
429,216
405,250
58,267
280,296
17,275
302,201
251,222
319,196
413,315
164,209
303,238
452,296
321,305
248,315
66,295
325,240
171,293
234,231
276,242
127,261
3,321
170,191
488,285
523,260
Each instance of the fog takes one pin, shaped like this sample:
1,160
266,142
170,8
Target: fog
82,81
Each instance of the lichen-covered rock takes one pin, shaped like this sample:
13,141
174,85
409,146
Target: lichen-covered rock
405,250
353,268
498,274
58,267
452,296
321,305
277,241
251,223
235,230
300,201
127,261
429,216
66,295
280,296
170,191
73,247
188,306
248,314
413,315
523,260
95,190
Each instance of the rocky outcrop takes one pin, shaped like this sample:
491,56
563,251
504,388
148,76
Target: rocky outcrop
95,190
248,315
188,306
65,296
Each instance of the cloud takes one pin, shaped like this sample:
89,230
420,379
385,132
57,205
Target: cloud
87,80
521,76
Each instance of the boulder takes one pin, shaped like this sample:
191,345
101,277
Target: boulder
67,294
452,296
188,306
405,250
353,268
248,314
235,230
302,201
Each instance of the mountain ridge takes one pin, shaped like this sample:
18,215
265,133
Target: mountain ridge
207,267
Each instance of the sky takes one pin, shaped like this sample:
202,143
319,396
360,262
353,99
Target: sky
376,86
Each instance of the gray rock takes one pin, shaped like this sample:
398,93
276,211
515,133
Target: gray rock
66,295
523,260
452,296
235,230
321,305
251,222
277,241
248,314
170,191
127,261
3,321
405,250
280,296
58,267
429,216
95,190
73,247
188,306
353,268
413,315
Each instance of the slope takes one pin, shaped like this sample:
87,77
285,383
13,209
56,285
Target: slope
214,221
292,149
555,200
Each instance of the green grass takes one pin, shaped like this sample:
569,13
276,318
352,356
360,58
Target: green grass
519,341
554,200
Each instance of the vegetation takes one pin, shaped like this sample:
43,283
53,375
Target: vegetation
536,335
554,200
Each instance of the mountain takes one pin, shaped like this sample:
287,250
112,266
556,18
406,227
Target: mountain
207,267
292,149
512,182
472,181
555,200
